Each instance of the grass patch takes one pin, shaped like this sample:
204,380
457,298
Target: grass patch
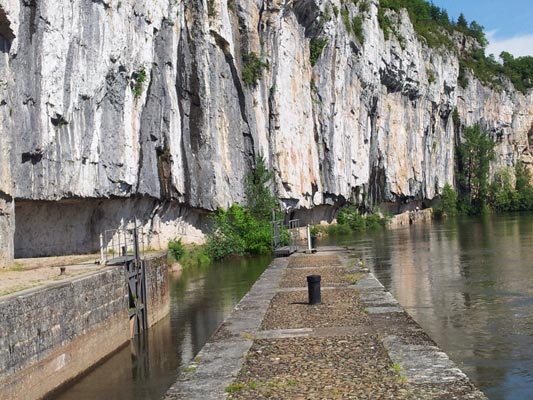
353,278
234,387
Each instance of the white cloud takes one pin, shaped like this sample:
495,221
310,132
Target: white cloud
518,46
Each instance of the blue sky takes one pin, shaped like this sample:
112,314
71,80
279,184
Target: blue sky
508,24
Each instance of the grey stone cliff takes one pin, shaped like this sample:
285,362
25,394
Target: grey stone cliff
146,99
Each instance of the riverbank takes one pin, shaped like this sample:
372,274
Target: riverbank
359,343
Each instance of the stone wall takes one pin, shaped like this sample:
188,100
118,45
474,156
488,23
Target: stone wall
157,289
52,334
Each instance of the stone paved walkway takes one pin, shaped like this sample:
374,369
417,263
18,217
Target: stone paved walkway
357,344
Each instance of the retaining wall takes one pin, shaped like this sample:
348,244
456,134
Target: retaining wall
52,334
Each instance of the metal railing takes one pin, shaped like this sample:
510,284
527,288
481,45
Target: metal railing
115,243
280,234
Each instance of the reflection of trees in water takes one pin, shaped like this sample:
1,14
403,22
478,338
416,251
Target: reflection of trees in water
466,282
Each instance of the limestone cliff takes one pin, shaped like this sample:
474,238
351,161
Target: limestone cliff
145,101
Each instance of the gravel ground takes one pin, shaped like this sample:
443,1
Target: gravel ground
347,360
330,276
353,367
339,307
308,261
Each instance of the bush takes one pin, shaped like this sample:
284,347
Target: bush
338,229
448,201
176,249
355,222
195,256
357,28
252,69
316,49
237,232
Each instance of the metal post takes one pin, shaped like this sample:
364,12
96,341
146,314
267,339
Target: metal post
313,287
102,249
309,238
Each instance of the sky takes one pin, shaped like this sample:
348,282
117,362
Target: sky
508,24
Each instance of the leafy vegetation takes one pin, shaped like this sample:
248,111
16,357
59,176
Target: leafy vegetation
357,28
448,202
433,25
176,249
241,229
473,161
316,48
139,78
252,70
512,190
350,220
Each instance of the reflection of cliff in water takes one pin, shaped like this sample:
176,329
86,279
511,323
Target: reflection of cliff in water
200,300
466,281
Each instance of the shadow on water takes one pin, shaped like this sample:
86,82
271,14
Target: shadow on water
201,298
468,283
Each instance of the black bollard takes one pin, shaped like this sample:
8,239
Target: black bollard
313,285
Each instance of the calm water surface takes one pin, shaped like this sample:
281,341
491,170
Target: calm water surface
200,300
469,284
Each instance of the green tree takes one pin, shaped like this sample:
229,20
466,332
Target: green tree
259,199
503,196
245,230
448,200
462,22
474,156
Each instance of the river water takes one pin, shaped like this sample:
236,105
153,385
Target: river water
469,284
201,298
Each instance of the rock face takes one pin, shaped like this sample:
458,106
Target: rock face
149,99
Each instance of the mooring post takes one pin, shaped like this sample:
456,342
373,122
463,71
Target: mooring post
313,287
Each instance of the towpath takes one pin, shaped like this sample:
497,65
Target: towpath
358,343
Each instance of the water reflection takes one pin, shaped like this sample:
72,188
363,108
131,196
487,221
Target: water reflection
200,300
468,283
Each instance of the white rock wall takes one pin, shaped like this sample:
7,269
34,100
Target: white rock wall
370,121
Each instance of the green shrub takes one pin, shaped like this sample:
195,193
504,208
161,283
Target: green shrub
139,79
350,217
246,230
176,249
364,7
345,14
357,28
252,70
316,49
373,222
448,202
195,256
338,229
237,232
